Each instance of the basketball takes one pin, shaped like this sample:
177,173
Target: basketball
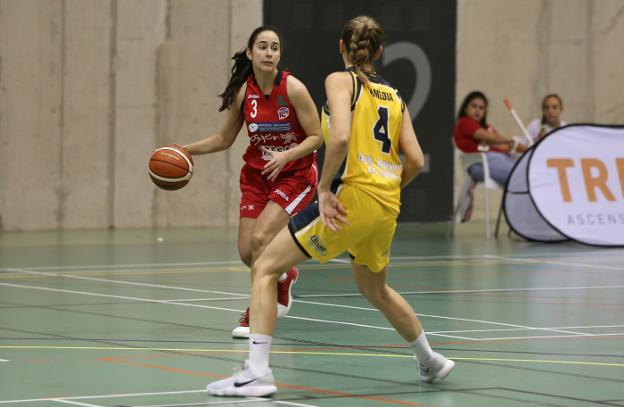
171,167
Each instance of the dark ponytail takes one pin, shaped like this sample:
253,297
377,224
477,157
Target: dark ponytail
242,68
240,71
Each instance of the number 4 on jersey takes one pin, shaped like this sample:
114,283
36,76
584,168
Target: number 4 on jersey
380,131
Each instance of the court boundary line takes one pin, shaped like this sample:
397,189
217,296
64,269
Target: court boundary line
149,300
102,396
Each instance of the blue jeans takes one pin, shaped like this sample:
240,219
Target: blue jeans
500,167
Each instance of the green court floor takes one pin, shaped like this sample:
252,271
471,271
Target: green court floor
143,318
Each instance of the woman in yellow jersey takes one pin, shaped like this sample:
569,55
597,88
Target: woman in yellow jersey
366,127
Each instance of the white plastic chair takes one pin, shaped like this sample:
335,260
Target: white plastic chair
468,159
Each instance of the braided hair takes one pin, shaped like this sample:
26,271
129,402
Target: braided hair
242,68
362,37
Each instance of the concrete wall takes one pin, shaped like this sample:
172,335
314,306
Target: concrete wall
526,49
89,87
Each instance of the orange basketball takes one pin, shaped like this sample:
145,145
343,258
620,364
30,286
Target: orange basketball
171,167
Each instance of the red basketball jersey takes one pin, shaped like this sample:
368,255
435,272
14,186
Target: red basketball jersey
272,122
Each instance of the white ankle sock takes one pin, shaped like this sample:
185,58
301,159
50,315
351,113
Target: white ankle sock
259,349
422,349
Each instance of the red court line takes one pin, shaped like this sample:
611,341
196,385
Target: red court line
124,360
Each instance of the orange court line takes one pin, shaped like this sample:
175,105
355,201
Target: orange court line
122,360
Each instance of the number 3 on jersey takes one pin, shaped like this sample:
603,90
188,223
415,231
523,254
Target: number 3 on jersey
254,107
380,131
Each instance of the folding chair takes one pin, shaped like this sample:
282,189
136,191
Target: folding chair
467,160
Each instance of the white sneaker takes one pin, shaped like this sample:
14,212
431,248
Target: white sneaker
436,369
244,384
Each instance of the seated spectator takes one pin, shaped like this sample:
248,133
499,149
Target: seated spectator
472,133
552,106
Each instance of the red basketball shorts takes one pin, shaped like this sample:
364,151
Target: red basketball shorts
292,190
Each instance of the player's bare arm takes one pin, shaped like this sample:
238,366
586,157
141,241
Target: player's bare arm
338,88
225,137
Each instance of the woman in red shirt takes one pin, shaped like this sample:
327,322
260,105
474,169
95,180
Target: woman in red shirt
472,133
279,176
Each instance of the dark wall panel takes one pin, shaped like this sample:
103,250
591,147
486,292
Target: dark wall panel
419,59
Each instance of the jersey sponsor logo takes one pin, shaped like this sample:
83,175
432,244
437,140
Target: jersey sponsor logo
267,156
282,194
252,96
253,127
317,245
286,138
283,113
270,127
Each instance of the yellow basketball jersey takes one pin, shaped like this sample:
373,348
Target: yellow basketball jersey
373,163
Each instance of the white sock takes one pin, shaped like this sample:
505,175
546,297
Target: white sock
259,349
422,349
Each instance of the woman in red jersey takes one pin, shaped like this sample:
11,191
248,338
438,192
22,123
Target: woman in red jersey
279,176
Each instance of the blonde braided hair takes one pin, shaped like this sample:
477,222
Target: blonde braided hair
362,37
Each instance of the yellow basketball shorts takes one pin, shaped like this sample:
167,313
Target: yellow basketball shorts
367,237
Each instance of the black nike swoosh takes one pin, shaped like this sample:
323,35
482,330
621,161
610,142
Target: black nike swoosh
259,343
241,384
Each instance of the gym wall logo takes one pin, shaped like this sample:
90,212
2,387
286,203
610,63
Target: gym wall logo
576,181
283,113
315,242
595,174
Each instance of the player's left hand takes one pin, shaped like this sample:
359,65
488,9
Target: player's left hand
274,167
331,210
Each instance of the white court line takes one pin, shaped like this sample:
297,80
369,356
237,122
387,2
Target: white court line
122,297
124,282
140,265
481,321
523,329
209,299
602,253
485,290
193,305
4,360
104,396
76,403
560,263
340,261
209,403
236,401
288,316
290,403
